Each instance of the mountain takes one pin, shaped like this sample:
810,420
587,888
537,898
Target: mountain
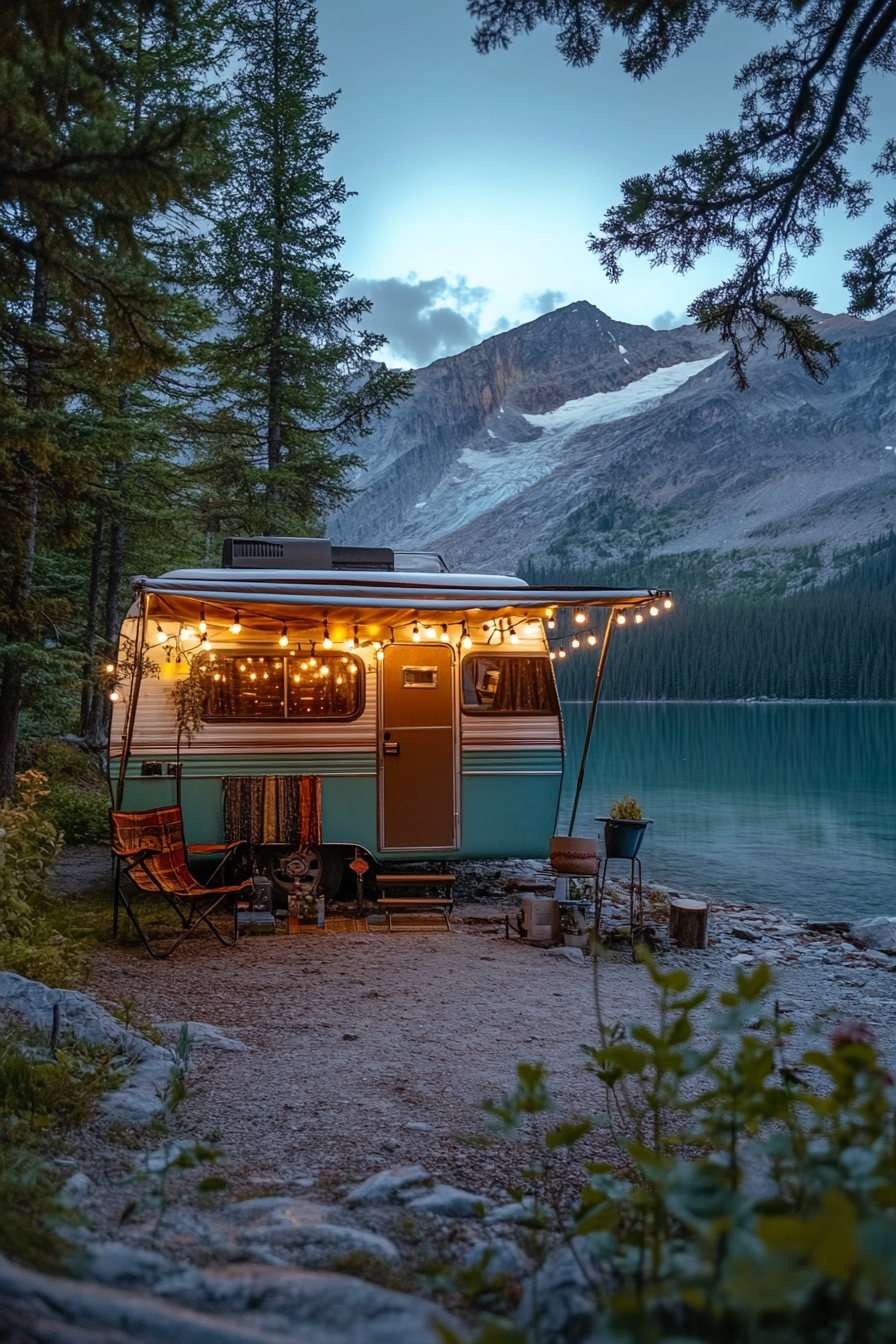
579,442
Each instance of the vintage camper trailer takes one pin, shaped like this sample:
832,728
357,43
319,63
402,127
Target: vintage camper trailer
423,701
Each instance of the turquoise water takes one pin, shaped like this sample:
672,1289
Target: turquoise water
787,805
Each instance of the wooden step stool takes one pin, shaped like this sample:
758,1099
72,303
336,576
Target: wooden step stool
406,901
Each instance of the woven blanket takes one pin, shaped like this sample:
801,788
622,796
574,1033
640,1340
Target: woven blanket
272,809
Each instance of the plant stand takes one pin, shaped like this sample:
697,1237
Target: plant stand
633,924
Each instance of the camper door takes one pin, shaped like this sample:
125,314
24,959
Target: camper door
418,793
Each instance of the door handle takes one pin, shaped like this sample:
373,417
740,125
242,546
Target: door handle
390,748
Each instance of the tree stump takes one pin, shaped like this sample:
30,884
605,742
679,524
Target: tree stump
687,922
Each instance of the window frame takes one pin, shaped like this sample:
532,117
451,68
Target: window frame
286,717
479,711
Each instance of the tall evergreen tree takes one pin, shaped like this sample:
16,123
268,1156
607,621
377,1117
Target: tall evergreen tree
293,378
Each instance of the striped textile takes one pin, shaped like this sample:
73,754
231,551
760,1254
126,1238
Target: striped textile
160,831
272,809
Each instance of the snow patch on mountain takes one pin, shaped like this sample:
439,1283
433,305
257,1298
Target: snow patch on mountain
637,397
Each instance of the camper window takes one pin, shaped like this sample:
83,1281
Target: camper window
294,687
508,684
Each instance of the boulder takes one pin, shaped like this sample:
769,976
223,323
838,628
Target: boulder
558,1305
573,954
878,933
384,1187
497,1258
747,934
137,1101
297,1231
121,1266
449,1202
204,1034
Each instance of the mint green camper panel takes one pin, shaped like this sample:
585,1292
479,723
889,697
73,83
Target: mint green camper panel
509,798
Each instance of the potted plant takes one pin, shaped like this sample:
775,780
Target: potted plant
624,828
572,926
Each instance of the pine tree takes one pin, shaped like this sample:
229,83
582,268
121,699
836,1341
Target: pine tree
291,372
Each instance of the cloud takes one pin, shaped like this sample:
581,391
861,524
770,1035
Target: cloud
667,320
424,320
546,302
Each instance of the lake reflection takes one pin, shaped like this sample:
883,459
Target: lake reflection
787,805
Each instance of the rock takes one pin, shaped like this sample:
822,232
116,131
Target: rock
121,1266
573,954
203,1033
450,1202
137,1101
508,1213
419,1125
238,1305
558,1305
878,933
748,935
384,1186
881,959
297,1231
77,1185
497,1258
743,959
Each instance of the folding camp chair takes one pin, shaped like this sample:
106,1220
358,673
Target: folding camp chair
149,849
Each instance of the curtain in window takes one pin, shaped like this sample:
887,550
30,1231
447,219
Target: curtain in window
272,809
525,686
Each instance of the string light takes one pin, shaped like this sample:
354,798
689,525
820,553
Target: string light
324,670
562,653
284,638
206,644
236,627
592,639
415,633
110,667
580,617
429,631
620,619
550,615
444,637
465,640
530,629
202,622
638,618
380,655
328,643
160,634
553,655
667,603
355,643
575,643
654,610
187,632
113,695
514,637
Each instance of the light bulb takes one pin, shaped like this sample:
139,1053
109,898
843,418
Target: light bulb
380,655
284,638
444,636
206,644
562,653
328,643
217,676
551,623
549,611
514,637
113,695
575,644
638,618
202,623
187,632
160,634
580,618
620,620
592,639
530,630
553,655
654,610
110,667
236,627
466,642
429,631
415,635
324,670
667,603
353,669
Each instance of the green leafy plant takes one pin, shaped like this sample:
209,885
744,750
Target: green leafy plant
753,1198
625,808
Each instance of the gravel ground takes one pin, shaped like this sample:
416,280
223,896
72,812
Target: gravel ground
371,1049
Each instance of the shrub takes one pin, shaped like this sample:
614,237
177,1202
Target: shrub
77,798
754,1200
29,846
81,818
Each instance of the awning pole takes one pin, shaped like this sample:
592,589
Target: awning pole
139,643
598,682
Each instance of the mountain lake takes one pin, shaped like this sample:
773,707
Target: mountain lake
788,805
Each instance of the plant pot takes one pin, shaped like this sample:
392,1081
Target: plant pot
574,854
576,940
622,839
582,913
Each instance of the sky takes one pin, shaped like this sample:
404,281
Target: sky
479,178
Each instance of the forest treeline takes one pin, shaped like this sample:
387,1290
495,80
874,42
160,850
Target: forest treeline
835,641
179,359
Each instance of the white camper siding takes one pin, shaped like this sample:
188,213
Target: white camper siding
511,732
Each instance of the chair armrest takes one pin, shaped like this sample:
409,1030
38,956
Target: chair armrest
216,849
135,853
